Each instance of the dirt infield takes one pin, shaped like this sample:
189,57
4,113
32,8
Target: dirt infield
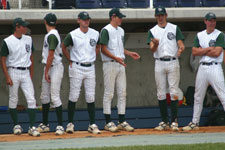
83,134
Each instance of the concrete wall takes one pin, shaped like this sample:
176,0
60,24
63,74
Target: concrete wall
141,89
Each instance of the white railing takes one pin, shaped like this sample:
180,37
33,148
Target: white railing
50,4
151,4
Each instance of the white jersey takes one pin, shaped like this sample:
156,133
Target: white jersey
207,40
167,40
115,43
58,51
20,51
84,45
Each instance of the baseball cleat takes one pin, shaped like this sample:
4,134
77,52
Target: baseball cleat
174,126
191,126
43,128
125,126
33,131
70,128
17,130
162,126
59,130
111,127
93,129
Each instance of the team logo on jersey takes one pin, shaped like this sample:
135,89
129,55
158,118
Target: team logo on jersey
93,42
170,35
27,48
212,43
45,44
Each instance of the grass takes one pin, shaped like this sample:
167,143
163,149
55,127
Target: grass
205,146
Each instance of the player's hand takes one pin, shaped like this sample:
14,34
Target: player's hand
9,81
70,63
134,55
180,50
47,77
120,60
155,41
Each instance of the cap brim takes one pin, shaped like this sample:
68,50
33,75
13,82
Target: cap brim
85,18
160,13
122,16
210,18
25,24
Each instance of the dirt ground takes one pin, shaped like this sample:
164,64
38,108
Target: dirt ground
85,134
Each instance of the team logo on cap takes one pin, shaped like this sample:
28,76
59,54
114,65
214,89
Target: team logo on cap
45,44
211,14
27,48
159,9
93,42
170,36
212,43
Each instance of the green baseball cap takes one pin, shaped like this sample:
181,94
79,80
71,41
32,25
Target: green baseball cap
84,15
116,12
210,16
160,11
20,21
50,19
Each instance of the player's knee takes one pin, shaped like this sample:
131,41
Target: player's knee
161,96
31,104
74,97
122,94
90,98
108,96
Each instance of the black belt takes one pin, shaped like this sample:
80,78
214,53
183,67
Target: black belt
166,59
21,68
84,65
209,63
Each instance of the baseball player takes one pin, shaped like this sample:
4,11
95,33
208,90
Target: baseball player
17,64
53,74
208,44
84,45
166,43
113,55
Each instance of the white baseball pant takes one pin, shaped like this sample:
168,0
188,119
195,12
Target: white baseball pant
77,74
21,78
51,91
167,70
114,73
206,75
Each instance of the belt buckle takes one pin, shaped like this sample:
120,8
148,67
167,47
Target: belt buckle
167,57
85,64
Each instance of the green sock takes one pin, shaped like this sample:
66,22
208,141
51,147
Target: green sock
32,116
45,111
121,118
91,112
163,110
59,115
13,113
174,110
107,118
71,110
